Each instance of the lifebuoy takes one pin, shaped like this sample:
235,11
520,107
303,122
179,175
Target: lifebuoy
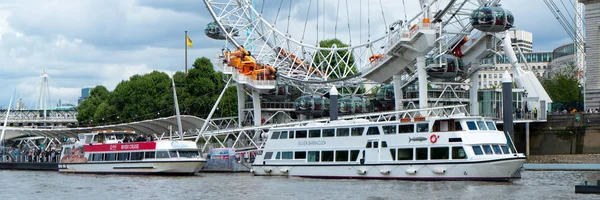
433,138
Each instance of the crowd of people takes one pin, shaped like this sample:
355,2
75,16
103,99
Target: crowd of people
12,154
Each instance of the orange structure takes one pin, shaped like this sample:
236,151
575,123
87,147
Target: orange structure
245,64
296,61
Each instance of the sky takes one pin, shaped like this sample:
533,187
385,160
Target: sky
103,42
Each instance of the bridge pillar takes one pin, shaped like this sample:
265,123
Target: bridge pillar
474,106
527,138
398,92
422,75
241,104
256,107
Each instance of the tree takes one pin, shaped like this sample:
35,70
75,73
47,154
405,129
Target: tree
150,96
342,62
89,106
564,87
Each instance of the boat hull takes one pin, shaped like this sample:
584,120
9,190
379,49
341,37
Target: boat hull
188,167
489,170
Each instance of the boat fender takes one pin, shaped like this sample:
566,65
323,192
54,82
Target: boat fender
284,170
361,171
439,171
433,138
267,170
411,171
384,171
252,171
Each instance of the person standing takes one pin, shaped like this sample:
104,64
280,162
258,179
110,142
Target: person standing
535,113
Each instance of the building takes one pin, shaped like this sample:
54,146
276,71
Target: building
592,48
563,58
539,63
523,39
85,93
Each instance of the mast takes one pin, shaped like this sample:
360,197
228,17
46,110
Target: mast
4,126
179,128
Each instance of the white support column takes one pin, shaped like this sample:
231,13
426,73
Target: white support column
241,104
527,138
422,75
257,110
473,94
398,92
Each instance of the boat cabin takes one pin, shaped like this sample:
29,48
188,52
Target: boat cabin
108,137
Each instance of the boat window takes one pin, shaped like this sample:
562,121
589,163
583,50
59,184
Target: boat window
119,136
422,127
422,153
313,156
369,145
341,132
405,154
442,126
341,156
300,155
188,154
97,156
110,137
373,130
389,130
457,126
375,144
354,155
173,154
287,155
275,135
291,135
383,144
328,132
406,128
314,133
301,134
505,149
357,131
481,125
477,150
393,153
497,149
88,139
458,153
491,125
278,156
471,125
110,156
149,155
268,155
326,156
162,154
122,156
487,149
454,139
283,135
137,155
440,153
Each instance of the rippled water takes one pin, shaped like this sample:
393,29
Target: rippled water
52,185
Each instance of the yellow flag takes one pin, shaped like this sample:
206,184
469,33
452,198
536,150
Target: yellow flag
189,41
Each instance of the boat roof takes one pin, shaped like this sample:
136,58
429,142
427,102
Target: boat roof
152,126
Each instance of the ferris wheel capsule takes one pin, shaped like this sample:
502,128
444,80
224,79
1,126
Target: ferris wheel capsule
492,19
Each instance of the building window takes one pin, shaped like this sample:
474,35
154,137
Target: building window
495,75
490,82
500,75
495,82
484,76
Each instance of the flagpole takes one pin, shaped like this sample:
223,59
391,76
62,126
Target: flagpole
185,44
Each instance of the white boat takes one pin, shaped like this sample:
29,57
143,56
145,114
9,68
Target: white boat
447,148
109,152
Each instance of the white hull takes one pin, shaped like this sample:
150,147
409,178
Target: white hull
502,169
173,167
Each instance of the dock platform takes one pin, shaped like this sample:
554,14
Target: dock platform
47,166
561,167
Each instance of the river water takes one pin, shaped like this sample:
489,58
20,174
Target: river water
53,185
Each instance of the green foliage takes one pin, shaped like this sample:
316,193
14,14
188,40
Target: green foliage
563,87
344,61
150,96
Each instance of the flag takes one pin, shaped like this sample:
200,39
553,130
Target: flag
189,41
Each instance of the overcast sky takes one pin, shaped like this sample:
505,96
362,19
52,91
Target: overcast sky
102,42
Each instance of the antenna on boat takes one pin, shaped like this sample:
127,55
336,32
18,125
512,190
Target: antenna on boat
5,124
179,128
